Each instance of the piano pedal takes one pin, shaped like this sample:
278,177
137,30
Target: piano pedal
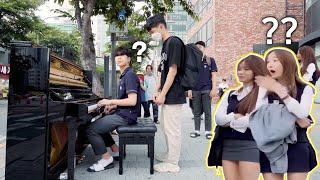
80,159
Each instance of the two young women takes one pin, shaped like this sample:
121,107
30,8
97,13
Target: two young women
274,80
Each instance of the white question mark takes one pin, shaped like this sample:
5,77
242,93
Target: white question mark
291,29
274,27
143,48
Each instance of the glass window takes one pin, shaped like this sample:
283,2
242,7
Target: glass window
179,28
209,27
309,3
204,33
209,4
208,42
197,36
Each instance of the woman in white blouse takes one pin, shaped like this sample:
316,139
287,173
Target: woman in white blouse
240,155
285,86
309,69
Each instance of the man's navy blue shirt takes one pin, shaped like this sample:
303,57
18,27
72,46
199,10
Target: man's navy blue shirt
129,83
204,81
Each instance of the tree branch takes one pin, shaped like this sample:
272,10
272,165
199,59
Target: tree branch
78,14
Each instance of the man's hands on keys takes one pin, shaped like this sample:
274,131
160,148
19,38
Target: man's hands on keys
105,102
109,108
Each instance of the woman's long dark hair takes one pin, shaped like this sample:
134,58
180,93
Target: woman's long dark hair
257,65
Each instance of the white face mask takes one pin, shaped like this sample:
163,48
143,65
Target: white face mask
156,36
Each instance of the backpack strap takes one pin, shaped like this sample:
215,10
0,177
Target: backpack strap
168,42
167,45
208,60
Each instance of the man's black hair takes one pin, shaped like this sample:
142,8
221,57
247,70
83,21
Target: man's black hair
149,66
154,21
224,80
201,43
123,51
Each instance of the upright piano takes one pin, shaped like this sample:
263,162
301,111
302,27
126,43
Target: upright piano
50,105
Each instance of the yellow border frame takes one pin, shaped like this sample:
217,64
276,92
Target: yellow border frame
219,169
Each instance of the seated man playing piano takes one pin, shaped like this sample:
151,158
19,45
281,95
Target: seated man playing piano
124,111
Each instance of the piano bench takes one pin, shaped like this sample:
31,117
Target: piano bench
141,133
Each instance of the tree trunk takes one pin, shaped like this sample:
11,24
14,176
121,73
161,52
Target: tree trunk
88,55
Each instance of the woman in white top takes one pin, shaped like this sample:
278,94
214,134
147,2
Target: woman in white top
286,87
309,69
240,155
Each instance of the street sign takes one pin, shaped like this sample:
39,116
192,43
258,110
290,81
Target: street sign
124,38
114,29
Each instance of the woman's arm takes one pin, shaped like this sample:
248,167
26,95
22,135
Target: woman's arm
242,122
301,109
221,116
310,70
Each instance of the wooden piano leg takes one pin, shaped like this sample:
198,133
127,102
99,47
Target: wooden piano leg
72,130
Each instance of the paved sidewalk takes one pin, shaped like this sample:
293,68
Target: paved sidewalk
136,164
192,163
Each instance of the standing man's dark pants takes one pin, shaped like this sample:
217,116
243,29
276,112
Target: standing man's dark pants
202,103
98,130
146,110
154,110
191,106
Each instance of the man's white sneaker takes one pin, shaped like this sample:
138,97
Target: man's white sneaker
101,165
166,167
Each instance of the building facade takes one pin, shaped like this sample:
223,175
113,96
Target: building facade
177,22
100,29
231,28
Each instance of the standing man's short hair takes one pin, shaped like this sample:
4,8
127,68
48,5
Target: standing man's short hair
154,21
201,43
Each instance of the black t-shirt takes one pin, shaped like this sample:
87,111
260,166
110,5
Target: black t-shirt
175,55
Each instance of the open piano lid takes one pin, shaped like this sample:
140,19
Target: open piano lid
67,73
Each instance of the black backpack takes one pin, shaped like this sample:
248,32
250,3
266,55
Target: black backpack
191,65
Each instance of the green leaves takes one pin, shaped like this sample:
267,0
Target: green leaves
58,41
16,19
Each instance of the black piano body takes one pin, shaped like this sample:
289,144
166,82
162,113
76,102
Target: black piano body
44,114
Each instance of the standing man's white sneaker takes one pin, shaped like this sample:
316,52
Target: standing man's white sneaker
166,167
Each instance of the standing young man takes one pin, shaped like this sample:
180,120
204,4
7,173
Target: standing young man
126,111
150,83
205,89
170,93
